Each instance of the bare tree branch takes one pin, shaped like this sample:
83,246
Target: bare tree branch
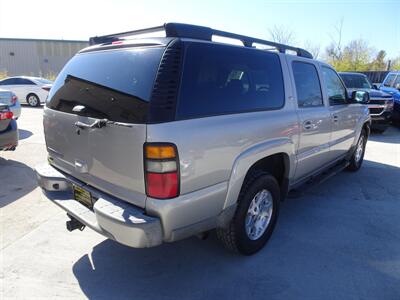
282,35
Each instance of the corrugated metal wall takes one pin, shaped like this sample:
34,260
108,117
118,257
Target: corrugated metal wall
36,57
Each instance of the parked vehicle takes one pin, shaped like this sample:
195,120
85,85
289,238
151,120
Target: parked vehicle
380,104
29,90
11,100
391,85
154,140
8,129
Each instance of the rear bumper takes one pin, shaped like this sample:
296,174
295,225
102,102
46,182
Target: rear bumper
113,218
9,137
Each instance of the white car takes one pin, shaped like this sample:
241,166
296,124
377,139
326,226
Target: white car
30,90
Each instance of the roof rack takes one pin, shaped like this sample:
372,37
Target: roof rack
197,32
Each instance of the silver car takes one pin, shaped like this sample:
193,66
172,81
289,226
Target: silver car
155,140
11,100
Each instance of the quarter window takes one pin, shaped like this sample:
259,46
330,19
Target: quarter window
334,86
308,87
219,79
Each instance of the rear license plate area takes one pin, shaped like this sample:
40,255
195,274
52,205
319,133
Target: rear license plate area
83,196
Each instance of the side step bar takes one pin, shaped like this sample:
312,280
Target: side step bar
302,187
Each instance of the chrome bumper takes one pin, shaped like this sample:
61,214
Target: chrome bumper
110,217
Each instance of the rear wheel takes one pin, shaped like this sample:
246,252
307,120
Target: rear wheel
33,100
255,216
358,155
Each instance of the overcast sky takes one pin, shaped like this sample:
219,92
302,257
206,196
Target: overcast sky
314,21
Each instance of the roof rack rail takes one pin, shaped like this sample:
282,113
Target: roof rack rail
180,30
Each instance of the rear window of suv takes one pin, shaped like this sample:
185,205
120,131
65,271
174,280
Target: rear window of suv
219,79
111,84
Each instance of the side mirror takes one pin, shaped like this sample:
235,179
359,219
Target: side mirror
375,87
361,97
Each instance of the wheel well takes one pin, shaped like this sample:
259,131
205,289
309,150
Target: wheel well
367,128
278,166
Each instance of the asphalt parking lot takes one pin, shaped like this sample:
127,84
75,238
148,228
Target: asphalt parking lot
340,240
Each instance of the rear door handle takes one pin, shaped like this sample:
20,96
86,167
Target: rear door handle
335,118
307,125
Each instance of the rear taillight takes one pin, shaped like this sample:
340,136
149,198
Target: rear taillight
14,99
161,170
46,88
8,115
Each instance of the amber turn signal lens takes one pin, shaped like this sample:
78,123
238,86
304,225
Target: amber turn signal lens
160,152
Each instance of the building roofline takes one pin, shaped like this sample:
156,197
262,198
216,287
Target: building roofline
42,40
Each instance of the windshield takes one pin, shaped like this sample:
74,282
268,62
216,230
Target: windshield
356,81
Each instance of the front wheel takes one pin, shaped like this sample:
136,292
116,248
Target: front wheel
358,155
255,216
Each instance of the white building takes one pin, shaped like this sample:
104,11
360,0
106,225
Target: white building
34,57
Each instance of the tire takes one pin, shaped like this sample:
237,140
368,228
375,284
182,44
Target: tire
236,236
33,100
358,155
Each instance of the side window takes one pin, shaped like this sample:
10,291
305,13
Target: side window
396,83
23,81
308,87
9,81
334,87
220,79
389,80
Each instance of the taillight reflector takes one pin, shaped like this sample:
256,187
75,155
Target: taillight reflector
162,186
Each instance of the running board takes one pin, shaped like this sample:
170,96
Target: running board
300,189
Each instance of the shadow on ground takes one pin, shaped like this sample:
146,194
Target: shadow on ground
16,180
341,240
24,134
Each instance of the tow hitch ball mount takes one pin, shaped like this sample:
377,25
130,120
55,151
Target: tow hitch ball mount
73,224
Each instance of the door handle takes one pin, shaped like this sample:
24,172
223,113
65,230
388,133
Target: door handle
335,118
307,125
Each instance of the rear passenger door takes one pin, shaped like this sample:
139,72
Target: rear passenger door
343,115
314,118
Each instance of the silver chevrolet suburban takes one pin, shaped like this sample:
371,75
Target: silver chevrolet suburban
153,140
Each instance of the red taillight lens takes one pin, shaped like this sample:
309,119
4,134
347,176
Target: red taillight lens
46,88
162,186
161,168
14,99
6,115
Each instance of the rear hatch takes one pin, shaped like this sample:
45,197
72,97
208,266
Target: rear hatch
95,119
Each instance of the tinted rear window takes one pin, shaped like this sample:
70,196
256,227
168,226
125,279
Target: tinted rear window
219,79
113,84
